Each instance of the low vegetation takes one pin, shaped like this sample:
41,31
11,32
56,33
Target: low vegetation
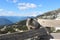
10,28
50,15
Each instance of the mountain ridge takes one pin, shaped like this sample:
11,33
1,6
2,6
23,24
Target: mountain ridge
12,19
4,21
50,14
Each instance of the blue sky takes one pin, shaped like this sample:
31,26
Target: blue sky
27,7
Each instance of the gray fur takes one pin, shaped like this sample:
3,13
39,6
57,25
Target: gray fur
32,24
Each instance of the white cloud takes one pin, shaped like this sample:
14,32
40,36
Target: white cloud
14,1
7,13
32,13
11,13
1,10
35,13
23,6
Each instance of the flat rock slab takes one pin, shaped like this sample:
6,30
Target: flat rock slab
54,39
56,35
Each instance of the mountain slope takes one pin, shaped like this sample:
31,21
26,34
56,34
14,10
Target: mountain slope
50,15
15,19
4,21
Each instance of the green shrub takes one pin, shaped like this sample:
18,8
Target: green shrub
10,29
22,27
58,31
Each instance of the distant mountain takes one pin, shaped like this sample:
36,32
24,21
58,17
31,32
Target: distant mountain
4,21
54,14
15,19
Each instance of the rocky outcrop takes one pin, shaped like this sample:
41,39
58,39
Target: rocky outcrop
50,15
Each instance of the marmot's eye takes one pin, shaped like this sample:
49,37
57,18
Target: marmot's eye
31,28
